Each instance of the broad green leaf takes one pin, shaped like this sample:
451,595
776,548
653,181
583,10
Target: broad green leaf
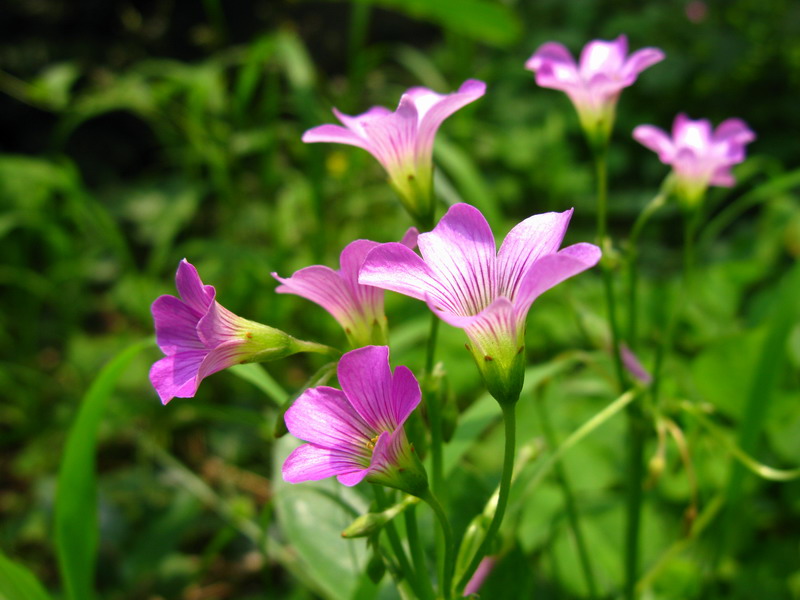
18,583
76,529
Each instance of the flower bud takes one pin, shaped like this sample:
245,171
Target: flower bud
371,523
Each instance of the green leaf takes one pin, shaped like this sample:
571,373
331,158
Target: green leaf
18,583
76,529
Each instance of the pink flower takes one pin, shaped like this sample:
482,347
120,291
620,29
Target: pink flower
200,337
699,156
595,84
402,141
469,284
357,433
357,308
481,573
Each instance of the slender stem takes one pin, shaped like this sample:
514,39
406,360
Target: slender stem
601,175
418,554
395,543
569,501
434,412
445,586
509,420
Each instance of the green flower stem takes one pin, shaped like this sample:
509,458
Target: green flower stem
418,554
636,426
395,543
569,501
434,412
445,585
509,420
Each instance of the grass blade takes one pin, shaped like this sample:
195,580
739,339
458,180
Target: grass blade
18,583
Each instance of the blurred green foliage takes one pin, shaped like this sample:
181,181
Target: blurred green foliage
136,134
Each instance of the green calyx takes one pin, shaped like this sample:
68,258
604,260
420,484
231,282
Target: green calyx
415,188
406,474
262,343
503,371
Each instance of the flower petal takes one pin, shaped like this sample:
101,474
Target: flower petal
366,379
392,137
554,67
395,267
312,463
531,239
601,56
324,417
656,140
175,376
176,325
388,450
639,61
434,108
369,299
223,356
551,270
335,134
219,325
410,238
461,255
196,295
324,286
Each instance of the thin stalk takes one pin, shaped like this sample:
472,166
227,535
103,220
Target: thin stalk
509,420
445,585
569,501
434,412
395,543
418,554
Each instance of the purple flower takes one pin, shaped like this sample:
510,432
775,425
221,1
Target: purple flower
481,573
357,433
357,308
634,366
469,284
595,84
402,141
200,337
699,156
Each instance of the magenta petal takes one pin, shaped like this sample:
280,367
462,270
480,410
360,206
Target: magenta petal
223,356
218,326
335,134
176,325
733,131
312,463
639,61
410,238
196,295
656,140
395,267
354,477
461,254
350,260
600,56
432,118
392,138
324,286
324,417
722,177
406,394
366,379
551,270
175,376
554,67
531,239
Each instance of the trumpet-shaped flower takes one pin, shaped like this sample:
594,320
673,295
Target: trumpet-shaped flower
357,433
699,155
469,284
595,83
357,308
402,141
200,337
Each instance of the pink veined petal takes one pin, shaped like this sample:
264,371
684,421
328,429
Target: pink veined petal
406,394
397,268
175,376
312,463
432,118
354,477
366,380
600,56
355,124
689,163
219,325
392,137
323,286
691,134
461,255
656,140
554,67
324,417
369,299
639,61
335,134
223,356
498,322
388,449
196,295
410,238
551,270
531,239
176,325
733,131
